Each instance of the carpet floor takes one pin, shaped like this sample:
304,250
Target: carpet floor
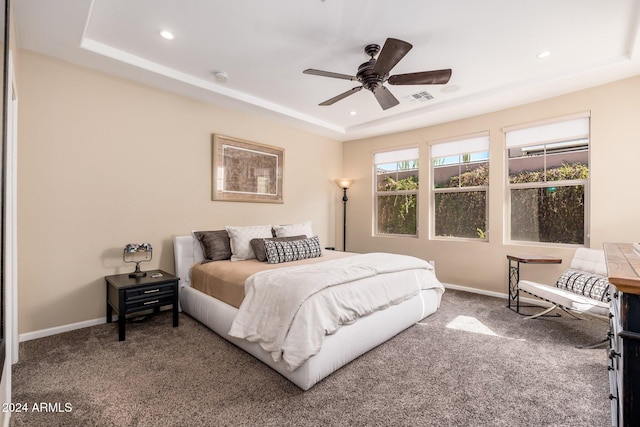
472,363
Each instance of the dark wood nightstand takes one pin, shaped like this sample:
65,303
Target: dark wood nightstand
128,295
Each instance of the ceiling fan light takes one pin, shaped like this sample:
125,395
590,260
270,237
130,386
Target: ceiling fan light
375,72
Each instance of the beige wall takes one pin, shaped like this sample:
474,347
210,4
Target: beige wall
615,207
104,162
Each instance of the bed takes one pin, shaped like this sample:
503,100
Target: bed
342,345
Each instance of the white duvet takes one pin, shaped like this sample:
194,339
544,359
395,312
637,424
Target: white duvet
288,311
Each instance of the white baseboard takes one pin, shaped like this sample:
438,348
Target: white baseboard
87,323
60,329
71,327
501,295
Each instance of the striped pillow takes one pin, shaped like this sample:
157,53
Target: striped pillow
278,252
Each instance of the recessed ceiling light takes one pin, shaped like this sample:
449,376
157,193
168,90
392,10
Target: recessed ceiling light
544,54
166,34
352,113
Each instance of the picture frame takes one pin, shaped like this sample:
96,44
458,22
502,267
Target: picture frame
245,171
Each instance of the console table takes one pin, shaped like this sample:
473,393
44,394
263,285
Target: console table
623,268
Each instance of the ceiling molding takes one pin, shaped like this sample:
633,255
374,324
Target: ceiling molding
265,49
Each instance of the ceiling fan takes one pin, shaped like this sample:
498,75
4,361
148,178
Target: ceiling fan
375,72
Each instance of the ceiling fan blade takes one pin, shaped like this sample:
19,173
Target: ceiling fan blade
436,77
329,74
392,52
341,96
385,97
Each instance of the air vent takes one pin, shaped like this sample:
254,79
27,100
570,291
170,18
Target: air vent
423,96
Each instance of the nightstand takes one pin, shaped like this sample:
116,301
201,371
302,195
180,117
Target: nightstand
128,295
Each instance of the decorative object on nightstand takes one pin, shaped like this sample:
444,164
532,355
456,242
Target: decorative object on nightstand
344,183
137,252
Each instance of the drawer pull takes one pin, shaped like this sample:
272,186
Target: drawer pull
152,291
151,302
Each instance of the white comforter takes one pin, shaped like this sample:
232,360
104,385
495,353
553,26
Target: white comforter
288,311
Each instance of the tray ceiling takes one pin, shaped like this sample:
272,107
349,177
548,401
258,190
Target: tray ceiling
263,47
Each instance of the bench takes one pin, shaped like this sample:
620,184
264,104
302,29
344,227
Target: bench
583,288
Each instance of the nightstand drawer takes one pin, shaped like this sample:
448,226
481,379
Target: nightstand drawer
149,302
149,292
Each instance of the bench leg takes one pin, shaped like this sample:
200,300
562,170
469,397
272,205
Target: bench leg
594,345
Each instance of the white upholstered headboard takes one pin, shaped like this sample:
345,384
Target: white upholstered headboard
183,257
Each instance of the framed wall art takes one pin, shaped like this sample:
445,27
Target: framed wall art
245,171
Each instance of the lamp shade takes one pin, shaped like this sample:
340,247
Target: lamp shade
344,182
137,253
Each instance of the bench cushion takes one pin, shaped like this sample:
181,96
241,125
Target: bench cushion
587,284
589,261
565,298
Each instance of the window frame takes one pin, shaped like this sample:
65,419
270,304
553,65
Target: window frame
547,184
377,193
466,142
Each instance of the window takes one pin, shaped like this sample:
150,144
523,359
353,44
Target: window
460,171
396,192
548,167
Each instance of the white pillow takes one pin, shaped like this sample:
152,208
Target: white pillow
294,230
241,240
198,255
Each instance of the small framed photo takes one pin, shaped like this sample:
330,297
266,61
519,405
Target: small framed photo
245,171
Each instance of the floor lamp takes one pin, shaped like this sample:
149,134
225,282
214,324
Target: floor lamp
344,183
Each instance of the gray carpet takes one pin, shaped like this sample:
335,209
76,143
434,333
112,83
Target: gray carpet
506,371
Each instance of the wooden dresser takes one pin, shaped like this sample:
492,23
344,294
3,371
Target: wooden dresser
623,267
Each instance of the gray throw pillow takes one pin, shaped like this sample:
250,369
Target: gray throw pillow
216,245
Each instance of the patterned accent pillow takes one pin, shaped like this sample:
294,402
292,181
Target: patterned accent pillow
215,245
587,284
293,230
241,240
258,245
278,252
